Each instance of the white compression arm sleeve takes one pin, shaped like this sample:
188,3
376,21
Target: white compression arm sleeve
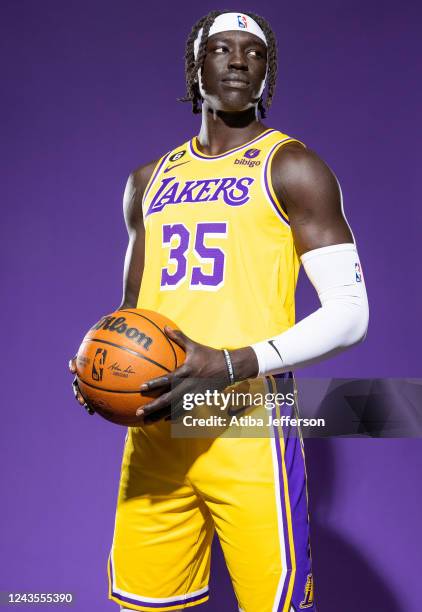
341,322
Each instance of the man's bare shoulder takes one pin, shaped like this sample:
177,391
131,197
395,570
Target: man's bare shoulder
140,176
295,160
298,171
134,193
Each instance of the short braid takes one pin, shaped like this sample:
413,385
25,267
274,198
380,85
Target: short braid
192,65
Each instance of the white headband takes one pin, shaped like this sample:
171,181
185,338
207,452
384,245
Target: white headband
231,21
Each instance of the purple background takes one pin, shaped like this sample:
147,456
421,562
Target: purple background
89,94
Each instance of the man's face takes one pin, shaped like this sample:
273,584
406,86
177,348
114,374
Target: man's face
233,71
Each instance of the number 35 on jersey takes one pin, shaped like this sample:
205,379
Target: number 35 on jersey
208,274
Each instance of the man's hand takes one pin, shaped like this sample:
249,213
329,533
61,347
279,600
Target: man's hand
202,362
76,391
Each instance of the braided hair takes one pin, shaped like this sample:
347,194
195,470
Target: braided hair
192,65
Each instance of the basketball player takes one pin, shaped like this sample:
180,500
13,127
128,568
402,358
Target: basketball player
217,230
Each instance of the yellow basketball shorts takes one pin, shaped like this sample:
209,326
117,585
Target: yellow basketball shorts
175,492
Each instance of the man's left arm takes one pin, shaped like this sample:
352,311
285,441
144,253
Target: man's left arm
311,196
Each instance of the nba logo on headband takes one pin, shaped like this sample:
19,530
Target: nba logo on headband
231,21
241,22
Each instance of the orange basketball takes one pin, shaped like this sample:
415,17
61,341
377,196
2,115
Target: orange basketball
118,354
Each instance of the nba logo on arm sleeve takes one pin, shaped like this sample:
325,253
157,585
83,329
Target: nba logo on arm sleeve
358,272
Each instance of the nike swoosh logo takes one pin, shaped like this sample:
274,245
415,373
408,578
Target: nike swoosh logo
175,166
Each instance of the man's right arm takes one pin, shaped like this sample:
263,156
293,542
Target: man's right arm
135,253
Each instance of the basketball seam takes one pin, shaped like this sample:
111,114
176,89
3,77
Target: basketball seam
128,350
155,325
103,389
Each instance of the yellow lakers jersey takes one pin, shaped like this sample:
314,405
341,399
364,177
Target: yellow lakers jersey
219,256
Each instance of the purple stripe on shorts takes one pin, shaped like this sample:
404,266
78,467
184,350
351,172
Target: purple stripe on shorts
293,455
296,476
247,144
284,514
267,189
162,604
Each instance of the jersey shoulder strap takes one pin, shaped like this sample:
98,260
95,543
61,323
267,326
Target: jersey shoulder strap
278,140
170,157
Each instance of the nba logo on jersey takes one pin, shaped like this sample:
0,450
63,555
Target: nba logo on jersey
358,273
241,22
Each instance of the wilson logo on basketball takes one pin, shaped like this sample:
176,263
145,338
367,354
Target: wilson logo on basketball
119,326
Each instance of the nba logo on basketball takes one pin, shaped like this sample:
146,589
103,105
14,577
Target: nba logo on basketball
241,21
358,273
98,364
